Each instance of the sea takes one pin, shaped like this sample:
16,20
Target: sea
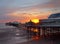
2,25
12,35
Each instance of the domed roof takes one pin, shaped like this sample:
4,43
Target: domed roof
57,15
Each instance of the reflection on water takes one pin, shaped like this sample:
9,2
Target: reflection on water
34,34
35,37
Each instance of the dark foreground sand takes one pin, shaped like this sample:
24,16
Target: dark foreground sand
43,41
8,36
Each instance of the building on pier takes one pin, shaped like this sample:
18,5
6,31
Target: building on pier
50,26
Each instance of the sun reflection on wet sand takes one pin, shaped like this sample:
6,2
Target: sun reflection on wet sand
35,37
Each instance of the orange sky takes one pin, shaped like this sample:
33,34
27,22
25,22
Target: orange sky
25,17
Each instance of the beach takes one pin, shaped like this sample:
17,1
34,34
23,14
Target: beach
13,35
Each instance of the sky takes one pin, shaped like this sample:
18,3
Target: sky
25,10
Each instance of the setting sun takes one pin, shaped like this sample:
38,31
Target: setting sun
35,20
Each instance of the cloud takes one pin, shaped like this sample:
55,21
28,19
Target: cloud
51,4
10,13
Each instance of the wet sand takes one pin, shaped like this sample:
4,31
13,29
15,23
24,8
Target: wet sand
16,36
12,36
42,41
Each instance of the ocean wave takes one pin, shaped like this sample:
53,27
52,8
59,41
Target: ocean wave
2,25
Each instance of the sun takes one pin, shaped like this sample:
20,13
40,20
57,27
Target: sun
35,21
